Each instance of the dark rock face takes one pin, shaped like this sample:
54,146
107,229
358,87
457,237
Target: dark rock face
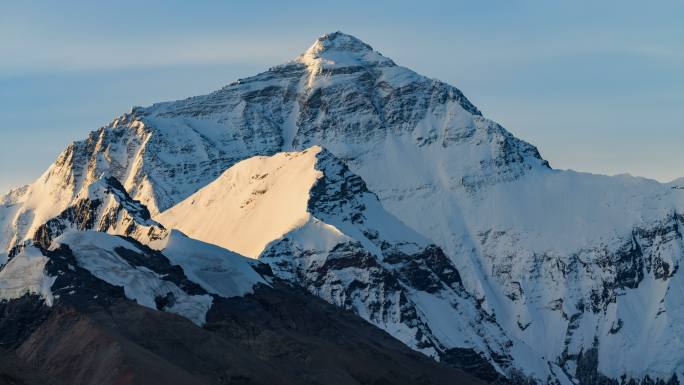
13,371
428,270
19,318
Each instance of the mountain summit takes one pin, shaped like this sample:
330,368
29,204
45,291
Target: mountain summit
505,267
339,50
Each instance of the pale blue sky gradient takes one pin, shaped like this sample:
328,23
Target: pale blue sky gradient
597,86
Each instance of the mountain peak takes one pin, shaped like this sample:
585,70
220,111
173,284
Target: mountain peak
339,41
338,49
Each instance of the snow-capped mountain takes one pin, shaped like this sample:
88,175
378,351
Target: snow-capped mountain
580,272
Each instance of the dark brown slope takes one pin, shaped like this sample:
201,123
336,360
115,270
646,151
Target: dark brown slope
15,372
317,343
130,344
278,335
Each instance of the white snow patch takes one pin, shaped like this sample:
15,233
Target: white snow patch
25,274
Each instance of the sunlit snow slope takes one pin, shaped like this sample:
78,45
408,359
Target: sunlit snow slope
251,204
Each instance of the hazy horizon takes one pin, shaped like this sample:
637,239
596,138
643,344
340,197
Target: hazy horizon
596,87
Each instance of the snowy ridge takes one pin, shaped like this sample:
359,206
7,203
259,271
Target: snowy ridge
261,199
217,270
104,206
264,204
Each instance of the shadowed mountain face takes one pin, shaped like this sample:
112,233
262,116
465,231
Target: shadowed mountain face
420,215
275,336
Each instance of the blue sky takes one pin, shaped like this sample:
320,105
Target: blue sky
597,86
